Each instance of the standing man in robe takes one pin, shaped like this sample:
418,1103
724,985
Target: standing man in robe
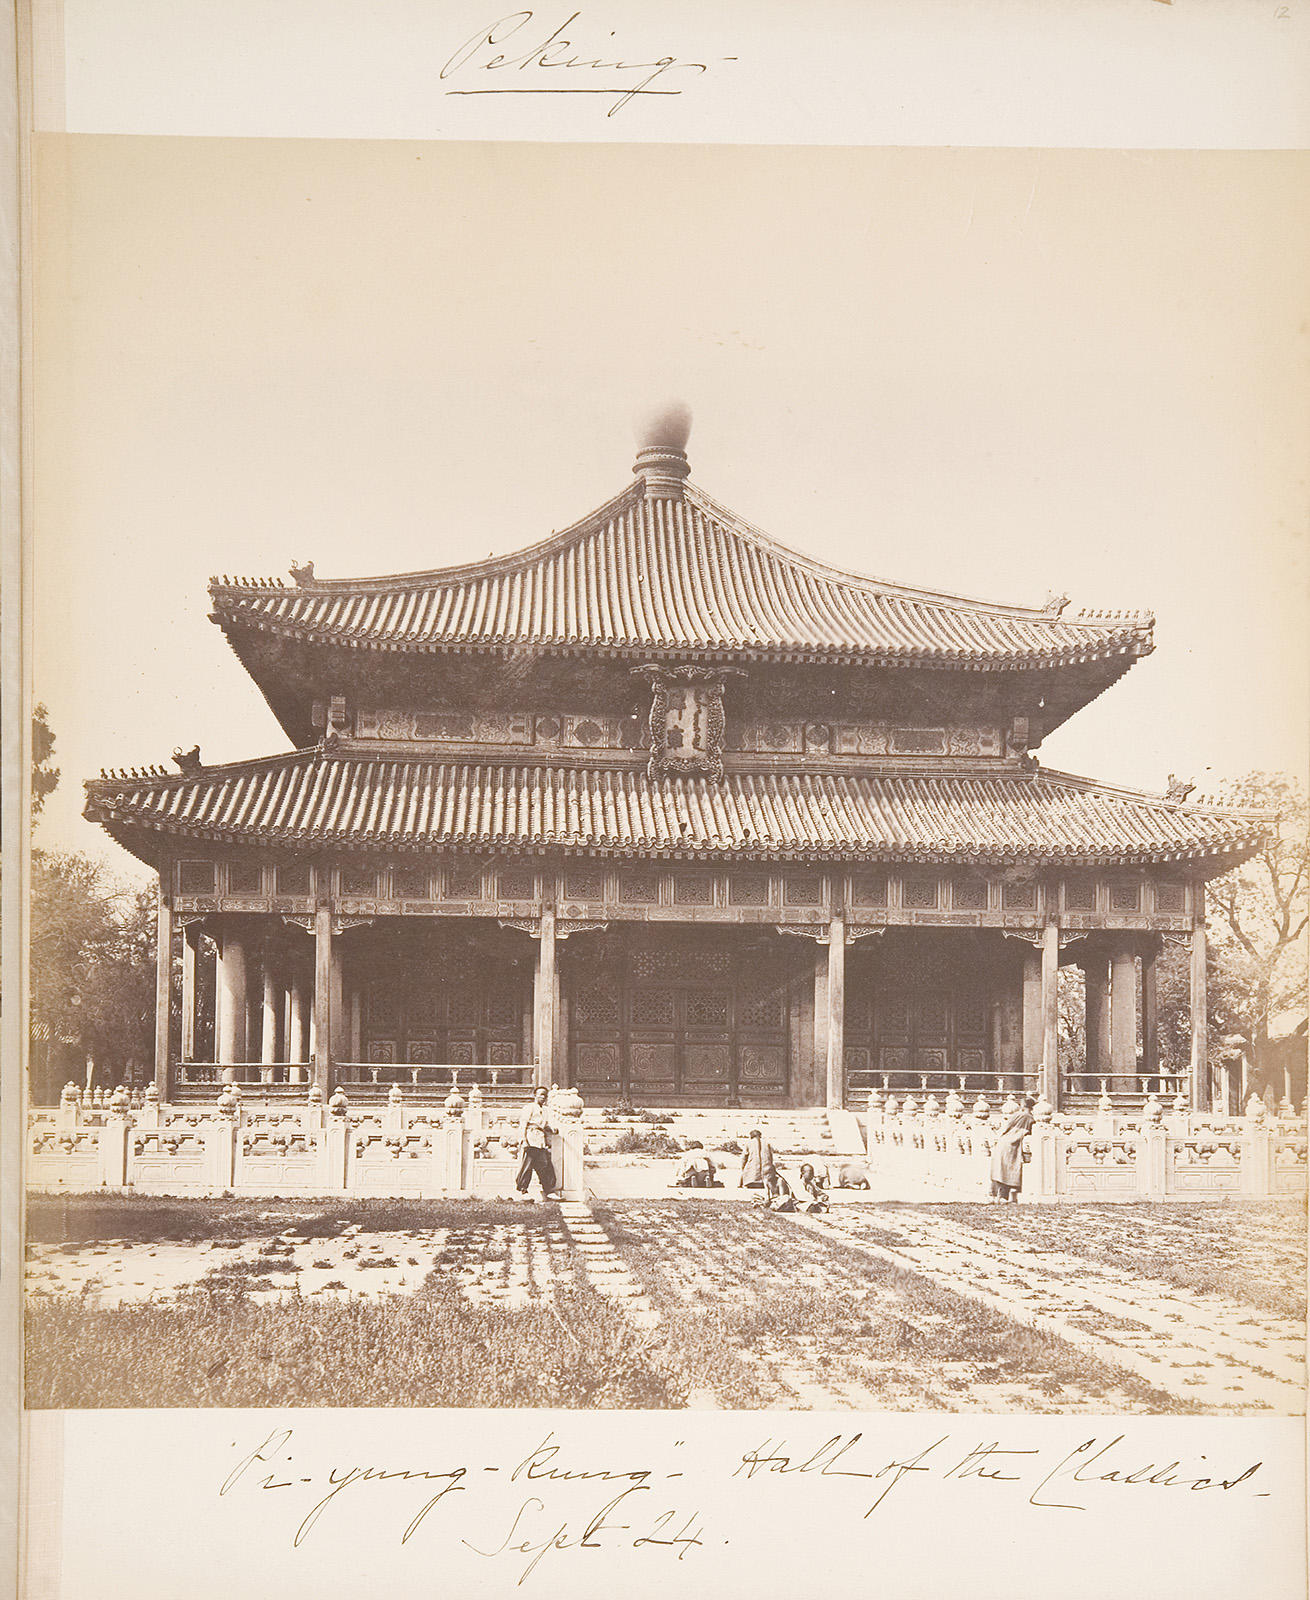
535,1130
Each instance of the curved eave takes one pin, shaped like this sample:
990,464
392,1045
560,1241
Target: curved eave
515,809
1126,649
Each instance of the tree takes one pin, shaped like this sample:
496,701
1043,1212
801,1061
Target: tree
1257,920
45,778
91,966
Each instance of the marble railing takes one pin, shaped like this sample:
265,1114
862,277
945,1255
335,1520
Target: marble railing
310,1148
1159,1154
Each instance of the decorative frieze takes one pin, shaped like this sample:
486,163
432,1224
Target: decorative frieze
750,893
860,739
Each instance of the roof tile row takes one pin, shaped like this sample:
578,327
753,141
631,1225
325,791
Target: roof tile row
682,574
310,797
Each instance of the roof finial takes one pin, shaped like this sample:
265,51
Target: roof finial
661,463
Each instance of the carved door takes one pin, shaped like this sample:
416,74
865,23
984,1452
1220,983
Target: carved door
681,1021
917,1031
460,1007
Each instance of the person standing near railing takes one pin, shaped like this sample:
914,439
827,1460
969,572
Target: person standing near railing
1008,1156
535,1130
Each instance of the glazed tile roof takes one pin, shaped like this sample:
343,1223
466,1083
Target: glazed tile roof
312,798
680,576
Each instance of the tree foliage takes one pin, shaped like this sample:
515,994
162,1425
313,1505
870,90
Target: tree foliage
1257,918
91,961
45,778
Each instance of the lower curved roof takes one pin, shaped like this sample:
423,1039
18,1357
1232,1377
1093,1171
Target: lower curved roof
313,799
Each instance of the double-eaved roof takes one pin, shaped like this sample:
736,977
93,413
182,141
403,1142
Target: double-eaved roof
315,799
683,576
660,572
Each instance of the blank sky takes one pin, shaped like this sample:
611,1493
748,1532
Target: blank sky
995,372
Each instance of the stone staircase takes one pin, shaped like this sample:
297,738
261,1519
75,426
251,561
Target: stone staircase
790,1132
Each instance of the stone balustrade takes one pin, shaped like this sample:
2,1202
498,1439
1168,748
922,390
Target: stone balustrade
1165,1153
308,1148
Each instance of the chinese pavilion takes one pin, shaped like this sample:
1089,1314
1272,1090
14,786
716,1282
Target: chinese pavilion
664,810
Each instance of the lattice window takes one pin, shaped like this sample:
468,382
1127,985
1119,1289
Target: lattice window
502,1007
422,1009
653,1008
859,1012
919,893
1079,894
359,880
584,883
412,883
933,1017
969,894
804,889
382,1006
195,877
869,889
639,888
245,877
1170,897
463,1007
749,889
760,1001
1125,897
596,1007
707,1008
971,1017
516,883
465,881
1020,896
693,890
293,877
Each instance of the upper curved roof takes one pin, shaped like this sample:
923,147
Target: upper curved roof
679,575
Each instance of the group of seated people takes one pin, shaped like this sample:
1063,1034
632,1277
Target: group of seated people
759,1170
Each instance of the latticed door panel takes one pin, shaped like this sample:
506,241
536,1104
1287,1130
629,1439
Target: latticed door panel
682,1020
457,1008
902,1032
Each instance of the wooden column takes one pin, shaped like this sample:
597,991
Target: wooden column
356,1024
1123,1018
268,1018
836,1086
323,966
1050,1078
1032,1012
163,987
189,939
298,1023
1150,1012
337,1006
230,1001
546,999
819,1069
1200,1062
1096,973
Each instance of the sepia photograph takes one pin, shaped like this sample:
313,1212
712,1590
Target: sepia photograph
667,777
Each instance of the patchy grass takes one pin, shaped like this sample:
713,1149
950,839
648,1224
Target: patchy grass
87,1218
633,1143
1253,1252
768,1314
225,1348
755,1310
